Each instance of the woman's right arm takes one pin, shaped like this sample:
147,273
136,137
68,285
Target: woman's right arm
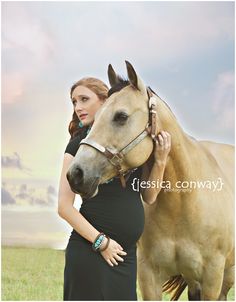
68,212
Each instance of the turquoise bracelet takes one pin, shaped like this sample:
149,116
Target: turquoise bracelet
98,241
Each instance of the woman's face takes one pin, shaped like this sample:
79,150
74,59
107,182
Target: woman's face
86,103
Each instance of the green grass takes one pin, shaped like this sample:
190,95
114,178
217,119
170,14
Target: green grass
37,274
32,274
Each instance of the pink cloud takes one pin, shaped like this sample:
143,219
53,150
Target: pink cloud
13,86
22,30
28,47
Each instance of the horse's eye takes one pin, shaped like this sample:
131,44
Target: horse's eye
120,117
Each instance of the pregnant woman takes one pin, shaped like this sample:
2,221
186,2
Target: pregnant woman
100,258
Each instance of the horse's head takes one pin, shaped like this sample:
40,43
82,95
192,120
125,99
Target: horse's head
121,119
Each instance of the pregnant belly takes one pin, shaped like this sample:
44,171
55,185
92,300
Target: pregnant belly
122,221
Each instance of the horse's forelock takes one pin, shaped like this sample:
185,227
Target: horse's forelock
120,85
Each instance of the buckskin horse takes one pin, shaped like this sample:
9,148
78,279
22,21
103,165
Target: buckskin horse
188,239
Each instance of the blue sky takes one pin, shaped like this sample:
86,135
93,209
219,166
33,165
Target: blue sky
183,50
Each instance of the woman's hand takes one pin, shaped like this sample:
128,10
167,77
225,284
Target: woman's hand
113,252
156,171
162,147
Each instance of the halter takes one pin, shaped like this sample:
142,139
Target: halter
116,158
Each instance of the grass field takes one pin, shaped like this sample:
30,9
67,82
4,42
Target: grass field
37,274
32,274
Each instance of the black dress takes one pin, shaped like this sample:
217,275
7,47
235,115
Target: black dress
119,213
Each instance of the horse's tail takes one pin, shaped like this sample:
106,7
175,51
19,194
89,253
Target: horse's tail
175,285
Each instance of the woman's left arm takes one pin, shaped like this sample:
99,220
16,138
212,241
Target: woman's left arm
156,172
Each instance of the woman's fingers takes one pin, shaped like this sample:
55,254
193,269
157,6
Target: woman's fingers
160,139
120,247
164,134
168,139
123,253
109,262
113,260
117,257
164,140
114,253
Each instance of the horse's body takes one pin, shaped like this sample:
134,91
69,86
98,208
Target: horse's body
188,234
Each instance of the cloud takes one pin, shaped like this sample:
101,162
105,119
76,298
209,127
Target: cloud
51,190
25,194
49,45
223,100
24,30
13,87
35,38
23,188
7,197
27,47
14,162
155,33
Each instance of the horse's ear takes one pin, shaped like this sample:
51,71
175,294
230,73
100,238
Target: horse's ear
112,76
133,78
132,74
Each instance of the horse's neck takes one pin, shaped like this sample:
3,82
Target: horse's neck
178,164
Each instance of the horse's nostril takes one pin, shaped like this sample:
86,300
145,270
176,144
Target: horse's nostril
68,176
79,173
75,179
75,176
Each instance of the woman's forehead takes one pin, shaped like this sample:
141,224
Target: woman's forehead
82,90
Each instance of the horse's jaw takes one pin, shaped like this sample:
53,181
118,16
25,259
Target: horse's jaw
86,191
88,195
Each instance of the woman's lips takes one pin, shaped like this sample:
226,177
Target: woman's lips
83,116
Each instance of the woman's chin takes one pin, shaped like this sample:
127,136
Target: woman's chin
86,122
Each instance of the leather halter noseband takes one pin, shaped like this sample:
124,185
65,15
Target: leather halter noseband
116,158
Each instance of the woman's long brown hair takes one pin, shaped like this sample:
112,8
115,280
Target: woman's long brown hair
100,89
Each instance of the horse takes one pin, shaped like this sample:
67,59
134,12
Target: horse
188,238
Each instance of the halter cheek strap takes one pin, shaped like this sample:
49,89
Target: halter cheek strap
116,158
152,102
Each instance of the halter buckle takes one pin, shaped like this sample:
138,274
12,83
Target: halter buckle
116,159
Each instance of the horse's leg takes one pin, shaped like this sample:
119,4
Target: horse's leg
228,282
212,278
150,288
149,282
194,291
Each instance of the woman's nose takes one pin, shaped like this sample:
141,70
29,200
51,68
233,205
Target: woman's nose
78,107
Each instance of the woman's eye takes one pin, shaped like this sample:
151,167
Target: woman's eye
84,99
120,117
74,103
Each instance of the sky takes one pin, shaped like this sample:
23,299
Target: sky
183,50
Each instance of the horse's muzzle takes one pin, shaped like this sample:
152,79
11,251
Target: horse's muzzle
86,187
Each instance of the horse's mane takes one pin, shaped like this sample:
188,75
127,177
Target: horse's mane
117,87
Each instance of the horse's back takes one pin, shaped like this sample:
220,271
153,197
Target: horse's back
224,155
